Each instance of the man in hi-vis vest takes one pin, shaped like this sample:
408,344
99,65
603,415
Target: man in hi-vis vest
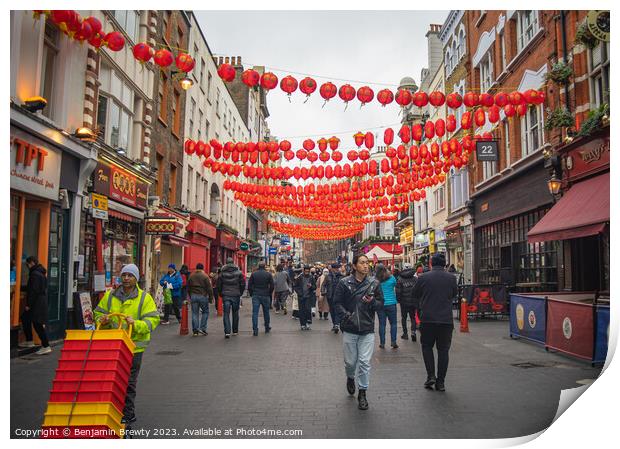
141,312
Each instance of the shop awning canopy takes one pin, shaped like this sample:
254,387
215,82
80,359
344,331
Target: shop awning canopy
581,212
380,253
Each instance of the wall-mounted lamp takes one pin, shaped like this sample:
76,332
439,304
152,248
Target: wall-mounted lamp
34,104
84,133
186,83
121,151
554,185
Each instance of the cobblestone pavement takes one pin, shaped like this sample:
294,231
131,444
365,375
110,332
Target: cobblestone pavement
293,380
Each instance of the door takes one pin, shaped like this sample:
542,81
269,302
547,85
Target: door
506,275
57,273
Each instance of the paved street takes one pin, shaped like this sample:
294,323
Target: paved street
292,380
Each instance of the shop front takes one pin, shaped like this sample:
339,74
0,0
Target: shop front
47,173
504,213
200,233
226,245
458,248
421,248
406,243
173,244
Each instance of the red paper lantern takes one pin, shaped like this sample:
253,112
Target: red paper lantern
312,156
190,146
96,41
494,114
429,129
334,142
115,41
60,16
521,109
322,143
479,117
509,110
185,62
301,154
328,91
143,52
250,78
95,24
440,127
369,140
516,98
454,100
466,120
420,99
288,155
307,86
364,155
324,156
200,148
417,132
285,145
308,144
336,156
405,134
435,150
501,99
346,93
390,152
359,138
272,146
531,96
75,23
268,81
365,95
470,99
388,136
486,99
437,99
451,123
385,97
164,58
403,97
85,32
352,155
288,84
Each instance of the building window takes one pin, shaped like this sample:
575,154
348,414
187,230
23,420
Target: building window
114,110
460,111
378,229
461,44
425,223
217,102
439,197
454,55
209,79
532,137
160,175
50,51
502,50
167,26
225,121
128,20
202,73
207,125
180,38
598,62
192,112
163,97
448,66
188,198
489,169
486,71
172,186
459,189
527,27
176,113
507,143
195,201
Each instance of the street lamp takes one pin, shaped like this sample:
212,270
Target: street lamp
186,83
554,185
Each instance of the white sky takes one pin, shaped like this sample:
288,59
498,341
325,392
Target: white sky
367,46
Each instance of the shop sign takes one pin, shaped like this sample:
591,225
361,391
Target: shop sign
244,246
421,240
34,169
406,236
160,226
486,150
440,235
272,251
588,157
99,204
198,226
120,185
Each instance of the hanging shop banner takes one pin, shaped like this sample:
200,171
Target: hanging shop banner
160,226
35,166
120,185
487,151
528,317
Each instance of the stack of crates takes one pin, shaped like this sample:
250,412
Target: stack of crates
88,392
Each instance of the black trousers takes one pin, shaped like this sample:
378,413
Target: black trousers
28,324
408,311
281,298
169,308
130,398
332,309
305,315
439,335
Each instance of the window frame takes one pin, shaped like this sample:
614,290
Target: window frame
163,102
50,44
176,113
600,71
124,24
486,71
527,143
522,32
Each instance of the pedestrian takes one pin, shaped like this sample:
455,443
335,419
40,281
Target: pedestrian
213,277
408,303
231,284
185,274
282,286
201,294
323,303
305,286
260,287
313,296
451,268
388,311
141,314
35,312
436,289
330,288
357,298
173,281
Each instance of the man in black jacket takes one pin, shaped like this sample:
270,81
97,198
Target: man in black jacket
35,312
408,303
231,284
436,290
305,286
260,287
357,299
329,288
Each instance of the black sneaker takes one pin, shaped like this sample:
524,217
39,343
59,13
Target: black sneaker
439,386
195,334
351,386
203,332
255,333
430,381
382,346
414,338
227,336
337,329
362,403
394,345
404,336
267,330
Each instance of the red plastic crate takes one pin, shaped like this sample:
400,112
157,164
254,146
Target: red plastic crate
89,385
105,354
118,375
90,396
96,364
83,345
57,432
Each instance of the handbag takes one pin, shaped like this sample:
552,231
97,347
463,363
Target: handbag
295,301
167,296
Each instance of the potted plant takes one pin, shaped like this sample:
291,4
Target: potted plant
559,118
597,118
585,37
560,73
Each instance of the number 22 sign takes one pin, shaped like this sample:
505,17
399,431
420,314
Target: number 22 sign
487,150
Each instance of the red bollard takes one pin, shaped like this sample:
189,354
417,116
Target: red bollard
220,306
184,318
464,321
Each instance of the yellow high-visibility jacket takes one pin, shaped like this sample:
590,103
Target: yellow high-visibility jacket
142,309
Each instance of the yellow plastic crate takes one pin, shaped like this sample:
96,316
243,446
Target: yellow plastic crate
84,414
102,334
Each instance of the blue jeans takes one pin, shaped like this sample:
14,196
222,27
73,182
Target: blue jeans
387,312
358,351
257,302
231,302
199,304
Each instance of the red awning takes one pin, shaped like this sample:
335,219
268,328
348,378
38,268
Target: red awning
582,211
177,241
452,227
122,216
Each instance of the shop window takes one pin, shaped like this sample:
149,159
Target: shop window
527,27
532,137
120,247
598,64
50,53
